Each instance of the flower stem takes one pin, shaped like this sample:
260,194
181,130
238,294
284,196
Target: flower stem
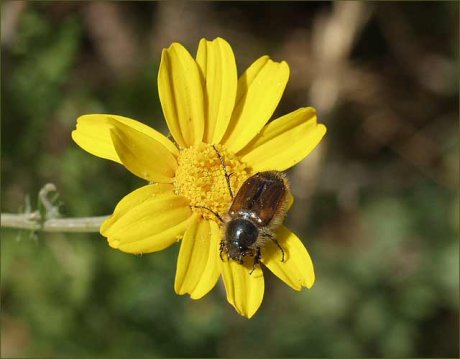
32,221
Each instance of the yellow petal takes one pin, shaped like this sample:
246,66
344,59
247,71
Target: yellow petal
244,291
297,269
93,135
181,94
197,265
134,199
217,64
259,91
142,155
213,269
284,142
144,222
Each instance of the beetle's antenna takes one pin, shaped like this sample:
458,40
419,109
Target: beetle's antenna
227,176
214,213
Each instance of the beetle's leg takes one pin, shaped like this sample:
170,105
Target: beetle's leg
227,176
256,260
221,249
279,246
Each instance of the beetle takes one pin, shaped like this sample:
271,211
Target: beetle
256,211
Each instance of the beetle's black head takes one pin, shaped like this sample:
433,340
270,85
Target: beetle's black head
240,235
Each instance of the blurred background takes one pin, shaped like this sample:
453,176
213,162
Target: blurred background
376,203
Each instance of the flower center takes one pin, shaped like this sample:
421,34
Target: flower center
200,177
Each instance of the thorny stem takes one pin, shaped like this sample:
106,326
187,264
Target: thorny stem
45,218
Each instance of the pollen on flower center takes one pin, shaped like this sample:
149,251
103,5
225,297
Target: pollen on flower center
200,177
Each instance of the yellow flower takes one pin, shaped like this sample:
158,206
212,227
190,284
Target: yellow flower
205,104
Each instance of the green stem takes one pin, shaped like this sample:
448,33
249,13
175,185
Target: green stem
31,221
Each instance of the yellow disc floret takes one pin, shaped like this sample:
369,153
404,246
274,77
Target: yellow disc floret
200,177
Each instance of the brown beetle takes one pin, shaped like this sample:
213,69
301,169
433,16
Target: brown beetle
256,211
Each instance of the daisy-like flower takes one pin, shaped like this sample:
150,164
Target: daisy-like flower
205,104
